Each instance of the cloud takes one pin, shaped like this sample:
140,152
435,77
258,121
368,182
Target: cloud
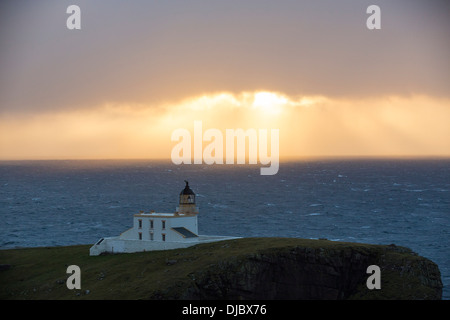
135,72
309,126
155,52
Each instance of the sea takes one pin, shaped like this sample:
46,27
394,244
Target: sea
405,202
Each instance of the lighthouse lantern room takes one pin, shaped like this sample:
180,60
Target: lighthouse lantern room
187,201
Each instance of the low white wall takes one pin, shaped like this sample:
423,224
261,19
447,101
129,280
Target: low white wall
117,245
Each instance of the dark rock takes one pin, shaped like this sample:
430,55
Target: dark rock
171,262
330,273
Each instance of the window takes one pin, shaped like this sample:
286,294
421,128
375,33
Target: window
163,237
140,223
163,224
151,224
140,235
151,235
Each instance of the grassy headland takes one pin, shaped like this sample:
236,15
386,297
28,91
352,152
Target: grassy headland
40,273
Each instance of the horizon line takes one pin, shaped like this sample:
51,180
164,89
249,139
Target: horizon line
282,159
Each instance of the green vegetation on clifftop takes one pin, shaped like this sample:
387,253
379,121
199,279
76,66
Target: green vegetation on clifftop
249,268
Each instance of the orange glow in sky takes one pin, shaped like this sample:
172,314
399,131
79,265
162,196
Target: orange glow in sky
309,126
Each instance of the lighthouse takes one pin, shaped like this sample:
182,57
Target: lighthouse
160,231
187,201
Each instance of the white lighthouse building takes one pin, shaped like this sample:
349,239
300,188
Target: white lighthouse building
160,231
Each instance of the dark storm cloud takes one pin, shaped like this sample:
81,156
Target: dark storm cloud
153,51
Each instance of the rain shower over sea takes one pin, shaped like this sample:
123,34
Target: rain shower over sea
379,201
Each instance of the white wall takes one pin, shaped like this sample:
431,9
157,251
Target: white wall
117,245
189,223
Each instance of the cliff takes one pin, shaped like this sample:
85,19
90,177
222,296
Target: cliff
249,268
314,270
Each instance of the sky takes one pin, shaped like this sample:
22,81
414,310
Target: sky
138,70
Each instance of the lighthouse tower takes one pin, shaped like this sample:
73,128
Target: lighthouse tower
187,201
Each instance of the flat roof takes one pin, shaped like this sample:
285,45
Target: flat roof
159,214
185,232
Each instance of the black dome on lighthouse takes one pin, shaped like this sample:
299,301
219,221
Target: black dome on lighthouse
187,201
187,190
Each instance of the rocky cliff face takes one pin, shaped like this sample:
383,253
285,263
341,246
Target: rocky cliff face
330,270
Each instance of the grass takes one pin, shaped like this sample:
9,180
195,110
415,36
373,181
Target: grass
40,273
